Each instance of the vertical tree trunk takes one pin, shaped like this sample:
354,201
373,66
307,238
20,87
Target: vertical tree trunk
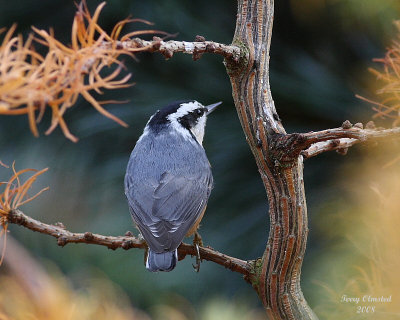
276,276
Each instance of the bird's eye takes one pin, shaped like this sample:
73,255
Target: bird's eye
200,112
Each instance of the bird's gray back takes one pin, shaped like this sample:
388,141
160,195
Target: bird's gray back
155,154
167,183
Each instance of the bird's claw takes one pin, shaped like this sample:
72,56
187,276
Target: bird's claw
196,266
146,253
198,239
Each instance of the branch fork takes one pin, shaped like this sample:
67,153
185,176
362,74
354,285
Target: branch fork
285,148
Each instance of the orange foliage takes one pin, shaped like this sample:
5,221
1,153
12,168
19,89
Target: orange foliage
389,105
30,83
15,194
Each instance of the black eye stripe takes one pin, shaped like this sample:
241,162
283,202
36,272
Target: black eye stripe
190,120
201,111
195,114
198,112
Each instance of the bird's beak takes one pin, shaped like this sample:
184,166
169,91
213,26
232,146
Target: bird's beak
212,107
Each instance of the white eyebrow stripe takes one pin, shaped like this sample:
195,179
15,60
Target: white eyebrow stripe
184,109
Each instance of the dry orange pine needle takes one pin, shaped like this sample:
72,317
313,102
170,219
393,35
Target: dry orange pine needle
14,193
31,83
388,107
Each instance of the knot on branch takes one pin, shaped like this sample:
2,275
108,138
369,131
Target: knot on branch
199,39
236,64
167,53
62,241
88,236
197,54
342,151
14,217
113,246
127,244
255,271
285,148
60,225
156,43
347,125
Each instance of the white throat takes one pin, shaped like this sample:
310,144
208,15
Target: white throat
198,129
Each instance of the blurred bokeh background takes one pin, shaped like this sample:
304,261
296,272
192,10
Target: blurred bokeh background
321,50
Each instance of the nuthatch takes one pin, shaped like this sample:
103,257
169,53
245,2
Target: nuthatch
168,180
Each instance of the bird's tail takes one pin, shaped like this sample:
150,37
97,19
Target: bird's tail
161,261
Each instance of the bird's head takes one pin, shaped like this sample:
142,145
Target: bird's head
187,118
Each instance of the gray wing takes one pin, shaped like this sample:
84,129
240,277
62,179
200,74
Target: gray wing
165,210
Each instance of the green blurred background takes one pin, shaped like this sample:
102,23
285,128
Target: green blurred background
320,53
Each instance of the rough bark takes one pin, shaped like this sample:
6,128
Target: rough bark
276,276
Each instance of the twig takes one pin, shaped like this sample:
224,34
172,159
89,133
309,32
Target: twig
330,145
125,242
352,133
313,143
168,48
339,138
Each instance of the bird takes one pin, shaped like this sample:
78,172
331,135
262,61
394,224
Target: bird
168,180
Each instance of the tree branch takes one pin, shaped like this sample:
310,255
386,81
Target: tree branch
168,48
330,145
288,147
125,242
359,134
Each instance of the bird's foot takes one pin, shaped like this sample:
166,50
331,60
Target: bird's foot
197,239
197,242
196,266
146,253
